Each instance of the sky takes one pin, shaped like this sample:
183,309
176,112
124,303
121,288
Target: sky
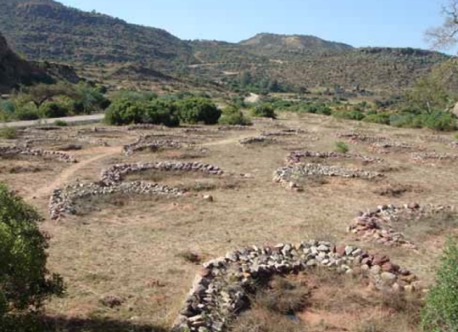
391,23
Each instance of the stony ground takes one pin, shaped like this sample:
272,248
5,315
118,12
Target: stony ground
143,251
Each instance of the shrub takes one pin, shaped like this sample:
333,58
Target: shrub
24,279
441,310
27,112
60,123
54,109
341,147
8,133
194,110
233,116
439,120
381,118
349,115
124,111
264,111
161,112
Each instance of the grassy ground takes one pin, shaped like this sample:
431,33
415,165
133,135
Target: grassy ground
132,247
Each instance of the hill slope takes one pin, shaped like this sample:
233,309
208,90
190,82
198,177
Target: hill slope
15,71
45,29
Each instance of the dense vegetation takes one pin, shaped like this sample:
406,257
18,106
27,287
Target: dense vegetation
441,310
53,101
24,279
129,108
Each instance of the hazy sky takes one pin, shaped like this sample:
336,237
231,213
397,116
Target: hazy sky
356,22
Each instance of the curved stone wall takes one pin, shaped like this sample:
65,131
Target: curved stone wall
221,289
62,201
116,173
147,143
296,157
288,175
24,151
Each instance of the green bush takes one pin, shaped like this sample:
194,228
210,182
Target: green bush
194,110
60,123
349,115
264,111
8,133
124,111
233,116
440,313
161,112
24,279
341,147
381,118
27,112
439,120
52,109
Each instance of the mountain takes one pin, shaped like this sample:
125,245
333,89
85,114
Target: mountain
46,29
271,44
103,47
15,71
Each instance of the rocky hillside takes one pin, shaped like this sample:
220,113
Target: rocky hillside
15,71
272,44
48,30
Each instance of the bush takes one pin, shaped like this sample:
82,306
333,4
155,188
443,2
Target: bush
341,147
27,112
441,310
124,111
60,123
233,116
194,110
381,118
8,133
54,109
349,115
161,112
264,111
24,279
439,120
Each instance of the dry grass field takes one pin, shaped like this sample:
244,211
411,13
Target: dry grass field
145,250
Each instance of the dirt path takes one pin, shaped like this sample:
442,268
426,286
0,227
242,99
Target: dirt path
70,172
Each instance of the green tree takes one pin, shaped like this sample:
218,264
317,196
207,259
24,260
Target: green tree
24,279
440,313
194,110
264,111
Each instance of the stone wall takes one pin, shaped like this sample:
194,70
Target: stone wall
25,151
116,173
256,140
222,287
147,143
296,157
62,201
289,175
377,225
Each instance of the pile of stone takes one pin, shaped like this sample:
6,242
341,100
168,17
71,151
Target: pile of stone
284,132
256,140
454,144
296,157
222,288
26,151
377,225
147,143
289,175
116,173
379,144
429,156
145,126
63,201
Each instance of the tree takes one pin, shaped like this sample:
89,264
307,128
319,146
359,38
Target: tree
445,36
24,279
194,110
